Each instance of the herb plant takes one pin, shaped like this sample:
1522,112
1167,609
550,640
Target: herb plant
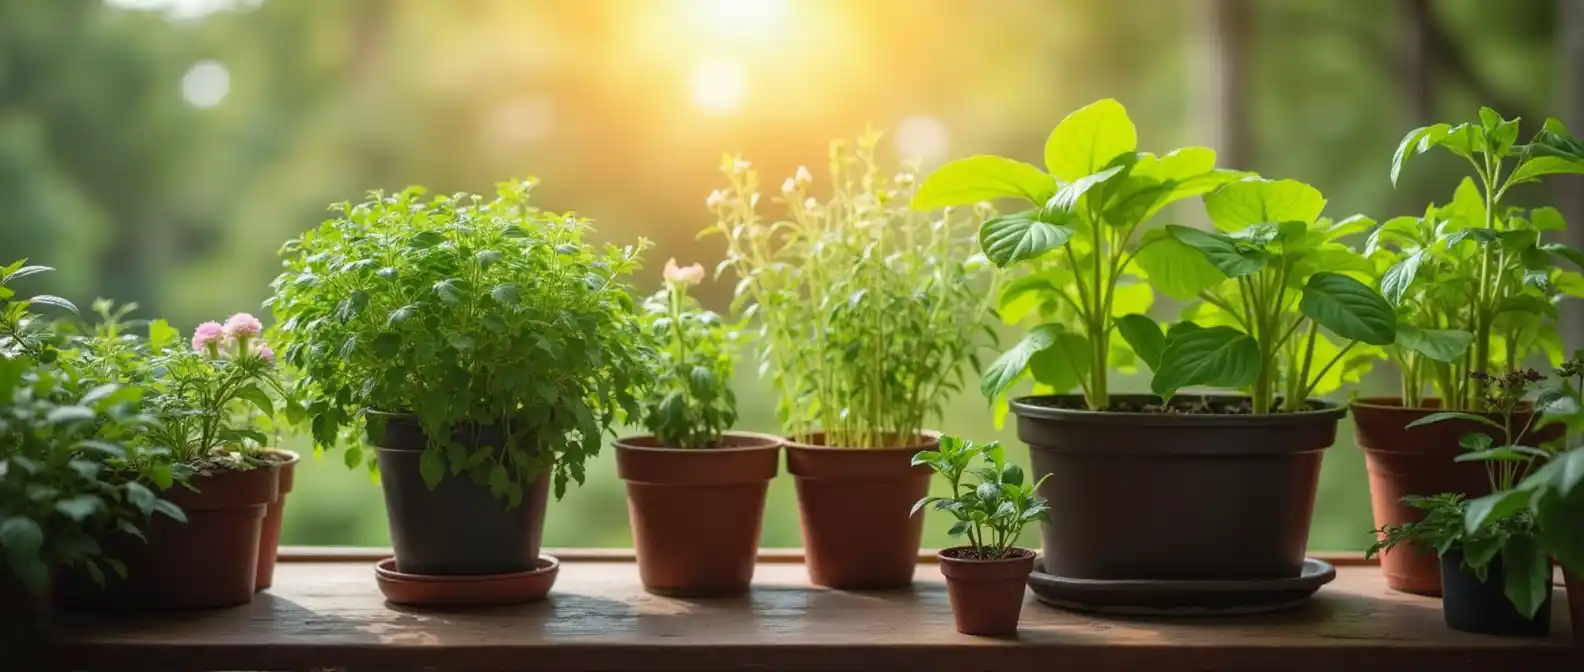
993,506
1281,283
691,402
1083,245
22,332
463,311
866,310
1503,524
1474,279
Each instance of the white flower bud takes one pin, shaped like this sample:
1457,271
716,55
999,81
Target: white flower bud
716,198
803,176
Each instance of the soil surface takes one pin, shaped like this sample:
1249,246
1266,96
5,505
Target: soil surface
971,554
1178,406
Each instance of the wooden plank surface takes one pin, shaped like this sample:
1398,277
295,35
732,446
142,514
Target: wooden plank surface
331,615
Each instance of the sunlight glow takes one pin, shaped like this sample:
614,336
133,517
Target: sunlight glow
718,86
205,84
922,137
736,16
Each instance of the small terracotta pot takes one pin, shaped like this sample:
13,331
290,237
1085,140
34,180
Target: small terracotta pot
1419,461
269,540
669,490
855,504
210,561
419,590
986,595
1575,597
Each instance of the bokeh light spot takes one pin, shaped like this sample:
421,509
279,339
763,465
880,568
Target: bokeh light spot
718,86
922,137
205,84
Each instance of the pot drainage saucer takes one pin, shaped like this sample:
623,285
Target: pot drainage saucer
1180,598
451,591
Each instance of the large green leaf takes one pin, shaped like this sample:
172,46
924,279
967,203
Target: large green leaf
1064,363
1006,369
983,178
1442,345
1349,308
1067,196
1526,573
1025,235
1534,168
1088,139
1213,356
1232,257
1174,268
1397,279
1145,336
1156,182
1257,201
1418,141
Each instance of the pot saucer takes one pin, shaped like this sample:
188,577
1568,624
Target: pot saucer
430,590
1180,598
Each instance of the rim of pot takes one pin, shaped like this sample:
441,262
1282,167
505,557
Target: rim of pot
771,441
1027,407
929,437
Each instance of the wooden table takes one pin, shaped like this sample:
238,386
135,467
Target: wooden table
328,613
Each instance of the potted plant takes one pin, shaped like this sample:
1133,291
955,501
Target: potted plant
481,345
1495,570
65,485
205,398
1236,476
866,312
689,466
1474,286
984,579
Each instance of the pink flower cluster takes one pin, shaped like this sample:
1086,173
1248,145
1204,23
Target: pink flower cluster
238,335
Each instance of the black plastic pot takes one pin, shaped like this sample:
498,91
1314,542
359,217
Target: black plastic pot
1471,605
458,528
1174,496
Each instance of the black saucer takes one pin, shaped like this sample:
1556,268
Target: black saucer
1180,598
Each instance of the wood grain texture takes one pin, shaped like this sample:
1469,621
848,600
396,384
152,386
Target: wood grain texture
323,615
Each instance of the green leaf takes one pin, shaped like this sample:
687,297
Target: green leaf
1176,269
1257,201
80,507
1418,141
1568,253
425,240
1025,235
162,335
507,293
983,178
1145,336
958,528
1087,140
1349,308
66,414
400,315
1526,574
1547,219
258,398
1536,167
432,466
54,301
141,497
1067,196
387,344
1442,345
1443,416
1064,364
22,539
1007,368
1214,356
447,291
166,508
1397,279
1233,258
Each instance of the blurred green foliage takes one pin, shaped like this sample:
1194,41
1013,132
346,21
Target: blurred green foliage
108,173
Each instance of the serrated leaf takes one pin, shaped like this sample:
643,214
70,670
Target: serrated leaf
1349,308
1025,235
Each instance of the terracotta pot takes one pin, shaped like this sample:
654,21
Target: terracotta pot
1575,597
854,504
669,490
208,562
986,595
417,590
458,527
1157,496
1471,605
269,540
1419,461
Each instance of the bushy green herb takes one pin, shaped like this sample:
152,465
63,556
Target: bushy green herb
992,501
1282,311
464,311
1473,279
1083,245
691,402
866,310
23,332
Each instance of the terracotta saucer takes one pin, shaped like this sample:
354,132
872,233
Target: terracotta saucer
429,590
1180,598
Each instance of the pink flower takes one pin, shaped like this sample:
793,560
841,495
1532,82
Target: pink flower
208,336
242,326
688,275
266,354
